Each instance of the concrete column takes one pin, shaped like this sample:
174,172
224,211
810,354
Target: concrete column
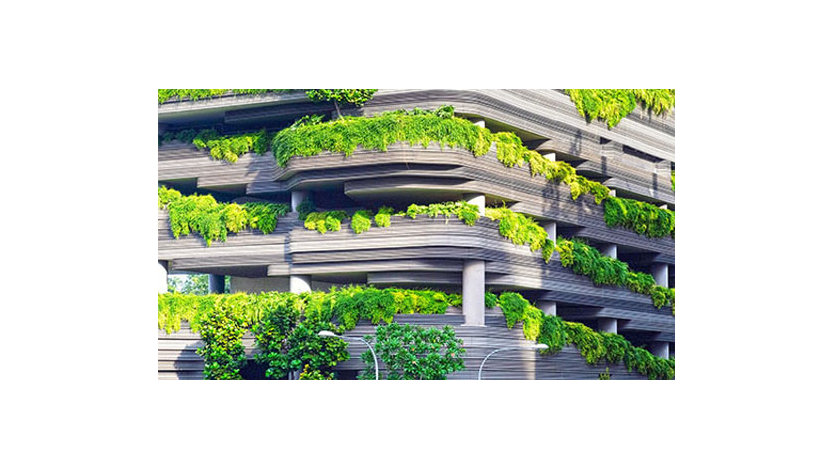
660,349
550,156
663,206
479,122
477,199
217,284
297,197
612,193
660,273
550,228
162,270
609,250
608,325
548,307
474,278
299,283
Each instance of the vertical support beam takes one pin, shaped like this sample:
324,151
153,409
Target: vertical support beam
217,284
608,325
660,349
663,206
548,307
550,156
299,283
550,228
479,122
474,278
296,198
609,250
660,273
162,286
612,193
477,199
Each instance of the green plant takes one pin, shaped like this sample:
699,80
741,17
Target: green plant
361,221
330,221
593,346
357,97
222,331
522,230
214,220
222,147
414,353
306,138
611,105
605,375
166,94
305,208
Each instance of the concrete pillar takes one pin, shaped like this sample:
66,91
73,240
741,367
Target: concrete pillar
660,273
608,325
550,156
477,199
162,269
612,193
609,250
550,228
297,197
479,122
660,349
474,279
663,206
217,284
299,283
548,307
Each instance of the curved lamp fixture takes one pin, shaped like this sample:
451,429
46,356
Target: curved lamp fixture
330,334
535,346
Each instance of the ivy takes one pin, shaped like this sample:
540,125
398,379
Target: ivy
214,220
412,352
592,345
611,105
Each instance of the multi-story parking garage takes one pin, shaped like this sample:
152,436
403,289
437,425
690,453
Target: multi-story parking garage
634,159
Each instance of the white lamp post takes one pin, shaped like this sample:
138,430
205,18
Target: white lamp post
330,334
535,346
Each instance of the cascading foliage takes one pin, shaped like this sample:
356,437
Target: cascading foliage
583,259
612,105
286,327
214,220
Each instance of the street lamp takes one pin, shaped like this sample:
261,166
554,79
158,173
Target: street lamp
535,346
330,334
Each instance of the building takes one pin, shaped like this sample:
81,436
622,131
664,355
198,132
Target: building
634,158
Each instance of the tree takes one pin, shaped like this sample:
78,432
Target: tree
415,353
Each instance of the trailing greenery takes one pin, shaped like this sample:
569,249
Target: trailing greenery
412,352
222,147
611,105
330,221
643,218
592,345
602,270
673,181
214,220
309,137
286,325
522,230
